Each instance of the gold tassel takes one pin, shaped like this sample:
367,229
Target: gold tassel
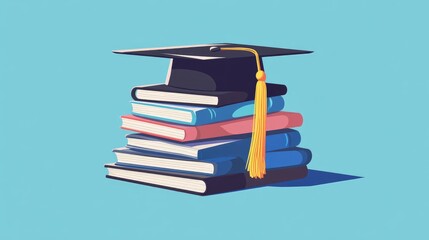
256,158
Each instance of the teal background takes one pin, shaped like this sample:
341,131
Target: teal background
363,93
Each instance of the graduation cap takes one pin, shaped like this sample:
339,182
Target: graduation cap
227,71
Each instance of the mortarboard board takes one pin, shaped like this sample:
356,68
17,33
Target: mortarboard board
226,71
200,52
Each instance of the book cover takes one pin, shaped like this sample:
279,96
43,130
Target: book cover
193,115
182,133
201,184
236,146
291,157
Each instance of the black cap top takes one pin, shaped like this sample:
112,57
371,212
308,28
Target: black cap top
202,52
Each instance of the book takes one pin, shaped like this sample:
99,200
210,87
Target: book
193,115
236,146
170,94
201,184
290,157
182,133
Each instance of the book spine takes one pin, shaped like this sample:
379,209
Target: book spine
276,176
241,181
133,93
227,167
289,158
291,138
275,121
225,183
238,110
204,116
292,157
191,134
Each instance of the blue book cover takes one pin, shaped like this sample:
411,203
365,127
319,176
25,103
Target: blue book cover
284,158
237,146
194,116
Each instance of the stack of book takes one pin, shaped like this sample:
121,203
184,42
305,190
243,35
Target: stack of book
197,142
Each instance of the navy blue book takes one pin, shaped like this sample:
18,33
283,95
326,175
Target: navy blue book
170,94
289,157
231,146
201,184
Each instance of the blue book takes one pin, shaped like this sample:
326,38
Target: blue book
193,115
235,146
285,158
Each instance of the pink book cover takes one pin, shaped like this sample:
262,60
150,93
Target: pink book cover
275,121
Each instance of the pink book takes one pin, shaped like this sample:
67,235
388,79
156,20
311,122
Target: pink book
182,133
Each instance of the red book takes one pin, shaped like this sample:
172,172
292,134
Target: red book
182,133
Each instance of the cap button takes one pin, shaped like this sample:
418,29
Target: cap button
260,75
